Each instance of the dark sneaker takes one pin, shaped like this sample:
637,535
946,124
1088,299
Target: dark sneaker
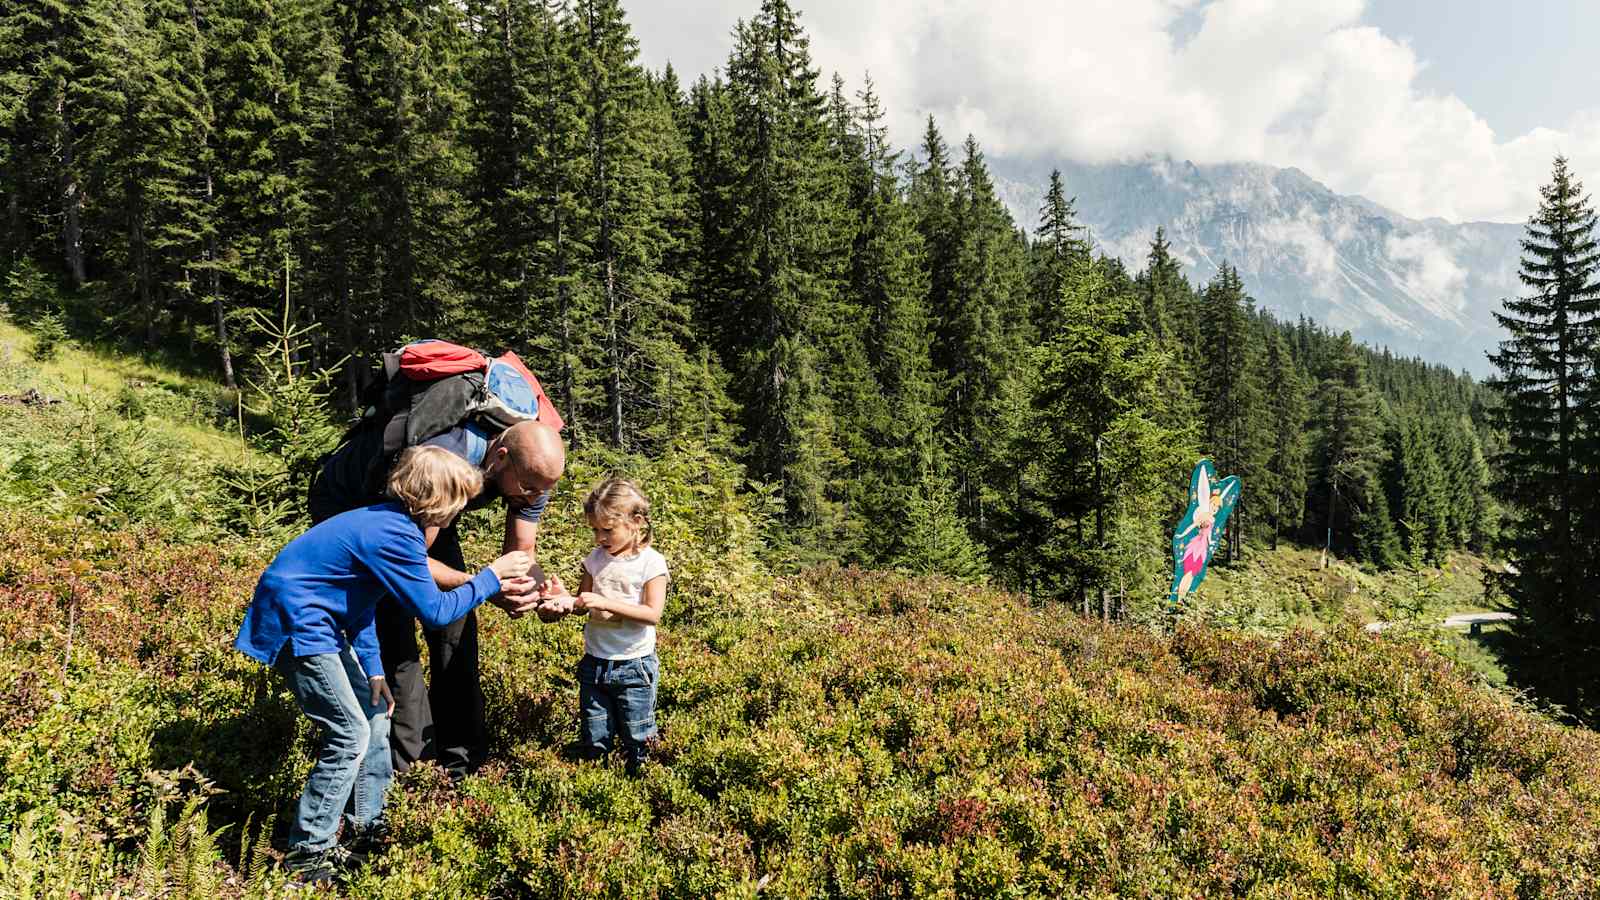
312,866
366,842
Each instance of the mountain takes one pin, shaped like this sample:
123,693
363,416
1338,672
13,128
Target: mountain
1423,288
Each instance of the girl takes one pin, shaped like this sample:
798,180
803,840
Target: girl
623,590
312,620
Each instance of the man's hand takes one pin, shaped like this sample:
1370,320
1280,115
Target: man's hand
380,691
518,596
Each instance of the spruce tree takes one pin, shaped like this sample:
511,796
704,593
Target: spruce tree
1231,395
1102,456
1284,485
981,329
1549,412
906,466
1348,461
789,238
1058,251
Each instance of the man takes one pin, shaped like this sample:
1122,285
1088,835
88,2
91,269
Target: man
445,721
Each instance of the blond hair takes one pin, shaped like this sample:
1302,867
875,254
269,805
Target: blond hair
618,498
433,483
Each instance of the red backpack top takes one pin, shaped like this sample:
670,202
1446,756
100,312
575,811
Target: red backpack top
512,393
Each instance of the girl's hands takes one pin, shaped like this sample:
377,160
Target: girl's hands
513,565
380,691
591,602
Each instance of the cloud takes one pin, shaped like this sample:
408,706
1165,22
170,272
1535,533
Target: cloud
1429,271
1283,82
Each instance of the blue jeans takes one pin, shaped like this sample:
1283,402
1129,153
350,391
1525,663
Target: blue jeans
353,768
617,698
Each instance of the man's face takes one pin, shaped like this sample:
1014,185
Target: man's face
519,488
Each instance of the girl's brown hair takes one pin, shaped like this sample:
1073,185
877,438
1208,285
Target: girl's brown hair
433,483
619,498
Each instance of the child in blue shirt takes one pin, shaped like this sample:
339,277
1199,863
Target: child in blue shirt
312,620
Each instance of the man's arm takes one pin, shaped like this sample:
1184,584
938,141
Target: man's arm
446,577
521,534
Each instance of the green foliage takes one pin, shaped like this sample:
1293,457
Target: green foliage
1551,459
840,734
49,334
265,494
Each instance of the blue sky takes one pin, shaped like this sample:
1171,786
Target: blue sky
1450,108
1520,65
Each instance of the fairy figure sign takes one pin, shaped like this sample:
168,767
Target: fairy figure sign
1195,539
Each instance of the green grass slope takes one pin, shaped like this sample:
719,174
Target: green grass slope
835,734
844,734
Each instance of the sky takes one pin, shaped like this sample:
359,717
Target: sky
1447,108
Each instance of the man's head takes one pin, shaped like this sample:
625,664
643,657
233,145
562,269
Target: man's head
526,460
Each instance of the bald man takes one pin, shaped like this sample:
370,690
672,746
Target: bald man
444,720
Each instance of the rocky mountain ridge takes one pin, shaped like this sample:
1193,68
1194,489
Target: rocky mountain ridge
1425,288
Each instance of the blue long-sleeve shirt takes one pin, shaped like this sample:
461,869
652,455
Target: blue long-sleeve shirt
322,590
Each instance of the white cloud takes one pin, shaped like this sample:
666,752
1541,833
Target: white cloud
1429,271
1285,82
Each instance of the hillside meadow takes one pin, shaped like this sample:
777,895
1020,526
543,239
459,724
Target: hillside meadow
840,734
832,733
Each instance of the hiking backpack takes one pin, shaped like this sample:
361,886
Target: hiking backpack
429,387
432,386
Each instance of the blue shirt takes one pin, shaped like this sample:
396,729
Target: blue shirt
320,593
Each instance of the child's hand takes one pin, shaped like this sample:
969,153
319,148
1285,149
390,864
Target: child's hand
380,691
513,565
593,603
553,609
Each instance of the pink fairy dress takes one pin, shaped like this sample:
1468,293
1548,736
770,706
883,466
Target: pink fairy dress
1194,553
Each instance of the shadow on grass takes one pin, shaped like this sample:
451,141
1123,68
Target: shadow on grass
248,752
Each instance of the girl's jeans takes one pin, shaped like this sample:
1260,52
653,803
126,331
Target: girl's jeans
617,698
353,768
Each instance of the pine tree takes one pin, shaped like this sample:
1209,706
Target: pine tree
789,239
932,197
47,46
1546,380
905,468
1103,456
1417,491
632,221
1284,484
1166,296
1058,251
980,332
1349,458
1231,394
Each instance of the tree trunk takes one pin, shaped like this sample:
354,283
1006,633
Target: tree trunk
1100,533
71,196
215,277
1277,513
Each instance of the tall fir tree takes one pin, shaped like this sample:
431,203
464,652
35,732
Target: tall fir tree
1231,393
1284,481
1550,413
1103,457
1349,459
1059,250
787,227
981,330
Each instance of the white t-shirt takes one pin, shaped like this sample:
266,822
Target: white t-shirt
621,578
